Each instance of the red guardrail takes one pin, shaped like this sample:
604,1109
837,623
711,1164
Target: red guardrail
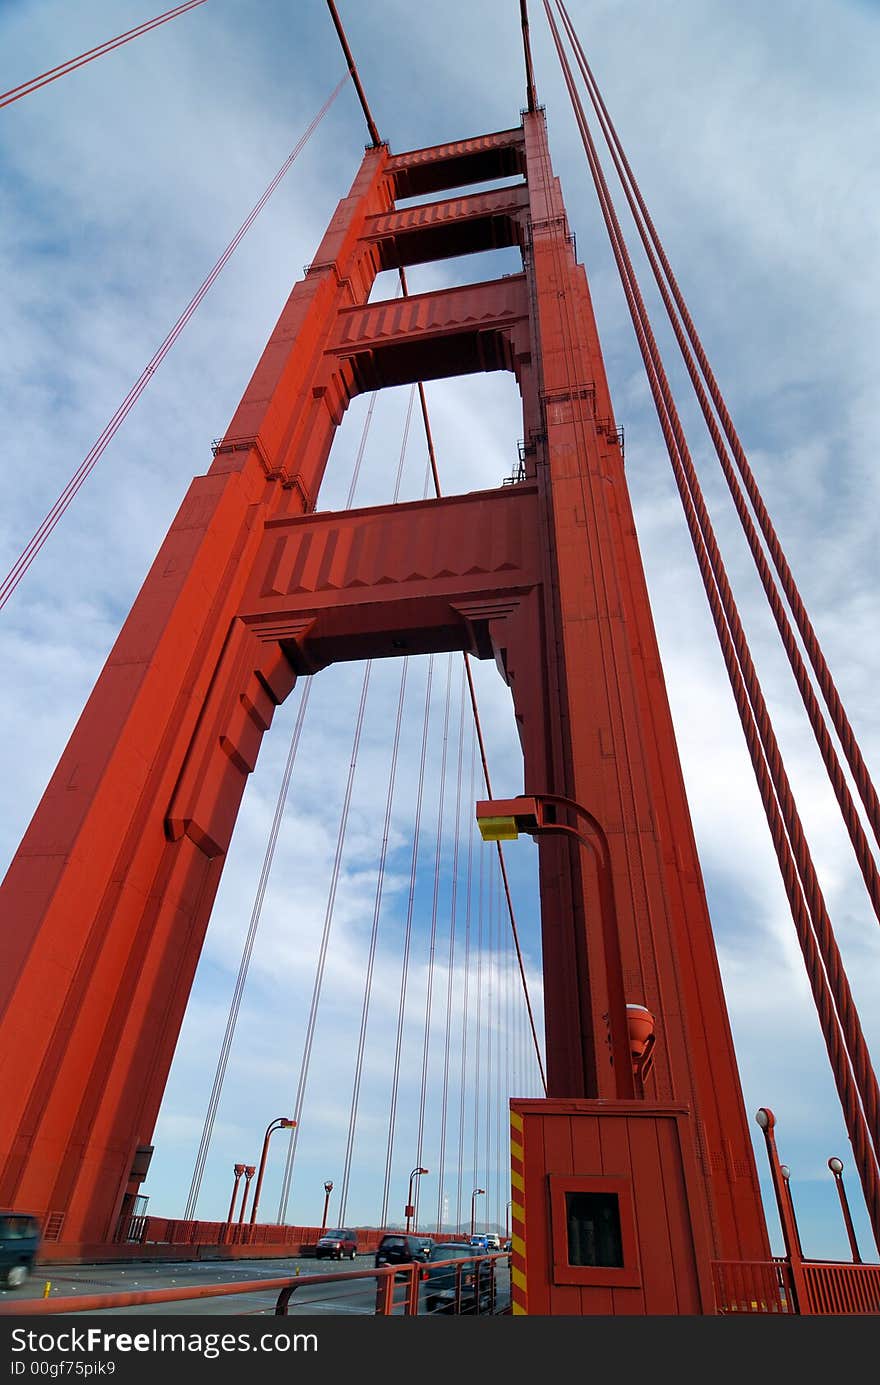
90,1303
753,1286
397,1287
818,1288
841,1289
151,1230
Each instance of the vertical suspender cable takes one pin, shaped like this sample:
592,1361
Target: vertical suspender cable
244,964
465,1004
328,919
450,964
472,692
256,913
429,991
386,828
478,1020
380,876
490,1037
376,139
322,953
407,944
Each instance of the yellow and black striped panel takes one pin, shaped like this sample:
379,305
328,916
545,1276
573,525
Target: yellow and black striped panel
518,1294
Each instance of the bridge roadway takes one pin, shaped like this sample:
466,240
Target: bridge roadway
357,1296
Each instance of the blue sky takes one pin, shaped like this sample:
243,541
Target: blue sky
753,130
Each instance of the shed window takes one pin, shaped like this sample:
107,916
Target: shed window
593,1229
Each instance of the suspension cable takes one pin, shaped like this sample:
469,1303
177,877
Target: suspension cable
683,467
854,1038
244,964
371,124
478,1018
492,920
377,907
465,1008
407,943
376,139
291,1151
33,547
472,692
795,861
531,94
614,662
256,913
25,88
811,642
652,243
429,990
322,952
383,852
450,965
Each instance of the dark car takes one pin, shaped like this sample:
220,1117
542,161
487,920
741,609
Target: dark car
337,1245
401,1249
19,1243
466,1285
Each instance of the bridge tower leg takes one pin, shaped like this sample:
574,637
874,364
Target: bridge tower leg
107,901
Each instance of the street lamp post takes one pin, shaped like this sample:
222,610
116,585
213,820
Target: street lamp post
328,1189
507,1220
249,1171
786,1178
836,1167
631,1030
410,1210
238,1170
474,1195
279,1123
767,1121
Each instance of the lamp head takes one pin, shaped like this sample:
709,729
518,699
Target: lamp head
250,1170
238,1170
285,1123
835,1165
328,1186
502,819
785,1171
765,1118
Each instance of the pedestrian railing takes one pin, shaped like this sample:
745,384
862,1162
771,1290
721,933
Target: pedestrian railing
395,1292
807,1287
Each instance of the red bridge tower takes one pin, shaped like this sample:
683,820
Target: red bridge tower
107,901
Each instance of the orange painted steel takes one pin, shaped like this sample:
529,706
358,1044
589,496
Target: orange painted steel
113,885
753,1287
831,1289
841,1289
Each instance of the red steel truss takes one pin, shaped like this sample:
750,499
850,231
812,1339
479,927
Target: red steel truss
109,896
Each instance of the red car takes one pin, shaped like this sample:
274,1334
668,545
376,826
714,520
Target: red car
341,1244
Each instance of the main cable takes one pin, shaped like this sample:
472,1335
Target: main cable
87,465
838,1018
34,83
670,290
